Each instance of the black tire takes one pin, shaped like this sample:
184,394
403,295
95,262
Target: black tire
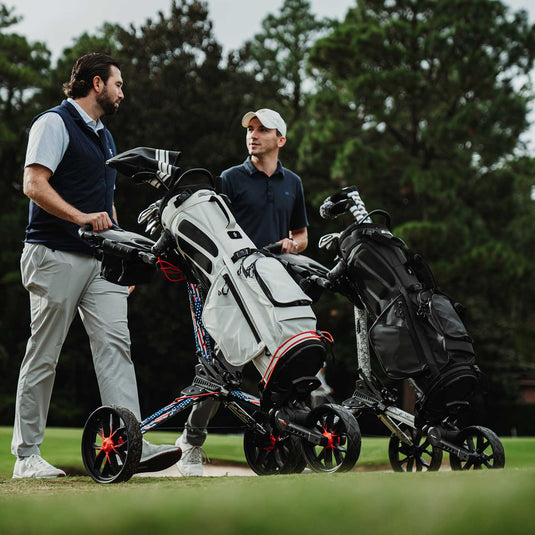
272,454
420,457
485,443
344,440
300,465
111,445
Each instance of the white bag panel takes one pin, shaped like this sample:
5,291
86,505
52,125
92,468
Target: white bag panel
192,205
262,310
213,218
295,320
278,283
224,321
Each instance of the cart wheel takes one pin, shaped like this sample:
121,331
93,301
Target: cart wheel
272,454
300,465
420,457
342,431
482,441
111,445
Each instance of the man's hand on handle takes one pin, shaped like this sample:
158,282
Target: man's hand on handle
100,221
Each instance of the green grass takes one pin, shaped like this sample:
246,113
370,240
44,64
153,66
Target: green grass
61,447
439,503
365,502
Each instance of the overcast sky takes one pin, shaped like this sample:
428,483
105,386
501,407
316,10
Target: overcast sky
58,22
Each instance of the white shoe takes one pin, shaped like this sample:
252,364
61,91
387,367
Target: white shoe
156,457
190,464
35,466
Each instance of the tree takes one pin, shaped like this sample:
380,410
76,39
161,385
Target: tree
419,108
278,55
431,81
175,80
23,71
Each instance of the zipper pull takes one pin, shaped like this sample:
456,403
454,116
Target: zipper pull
424,304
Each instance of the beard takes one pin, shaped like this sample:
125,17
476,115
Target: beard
105,102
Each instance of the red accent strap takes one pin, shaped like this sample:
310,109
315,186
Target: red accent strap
196,396
171,272
328,336
273,362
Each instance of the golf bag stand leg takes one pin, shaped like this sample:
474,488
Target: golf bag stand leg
361,333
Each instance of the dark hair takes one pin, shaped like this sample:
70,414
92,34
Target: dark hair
83,72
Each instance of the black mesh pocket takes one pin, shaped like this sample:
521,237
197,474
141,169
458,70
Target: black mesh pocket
394,342
445,320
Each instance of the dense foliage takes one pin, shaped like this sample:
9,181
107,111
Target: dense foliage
418,103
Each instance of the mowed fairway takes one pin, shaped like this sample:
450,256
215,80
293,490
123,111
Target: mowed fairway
488,502
371,502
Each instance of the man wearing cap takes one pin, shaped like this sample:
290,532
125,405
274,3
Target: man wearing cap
267,198
269,205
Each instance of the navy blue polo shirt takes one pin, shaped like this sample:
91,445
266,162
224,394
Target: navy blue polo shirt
266,208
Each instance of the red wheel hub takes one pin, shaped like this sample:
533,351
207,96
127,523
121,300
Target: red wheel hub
107,444
273,442
333,439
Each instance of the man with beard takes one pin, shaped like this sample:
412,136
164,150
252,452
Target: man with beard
70,185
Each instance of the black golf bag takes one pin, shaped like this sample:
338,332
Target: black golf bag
417,332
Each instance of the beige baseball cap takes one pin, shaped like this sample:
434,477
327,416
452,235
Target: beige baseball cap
269,118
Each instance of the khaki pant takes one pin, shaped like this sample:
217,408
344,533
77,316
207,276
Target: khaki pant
60,284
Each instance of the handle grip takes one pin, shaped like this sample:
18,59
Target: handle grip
274,248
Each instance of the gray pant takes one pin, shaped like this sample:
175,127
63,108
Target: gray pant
200,416
60,284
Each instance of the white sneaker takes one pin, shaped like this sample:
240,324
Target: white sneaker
190,464
156,457
35,466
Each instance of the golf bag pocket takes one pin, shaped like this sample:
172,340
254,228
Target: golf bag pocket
395,343
284,307
274,282
254,308
229,321
446,321
449,333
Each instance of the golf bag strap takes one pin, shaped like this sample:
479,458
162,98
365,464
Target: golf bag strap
375,234
242,253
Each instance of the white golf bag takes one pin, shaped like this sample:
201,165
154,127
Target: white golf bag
253,310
